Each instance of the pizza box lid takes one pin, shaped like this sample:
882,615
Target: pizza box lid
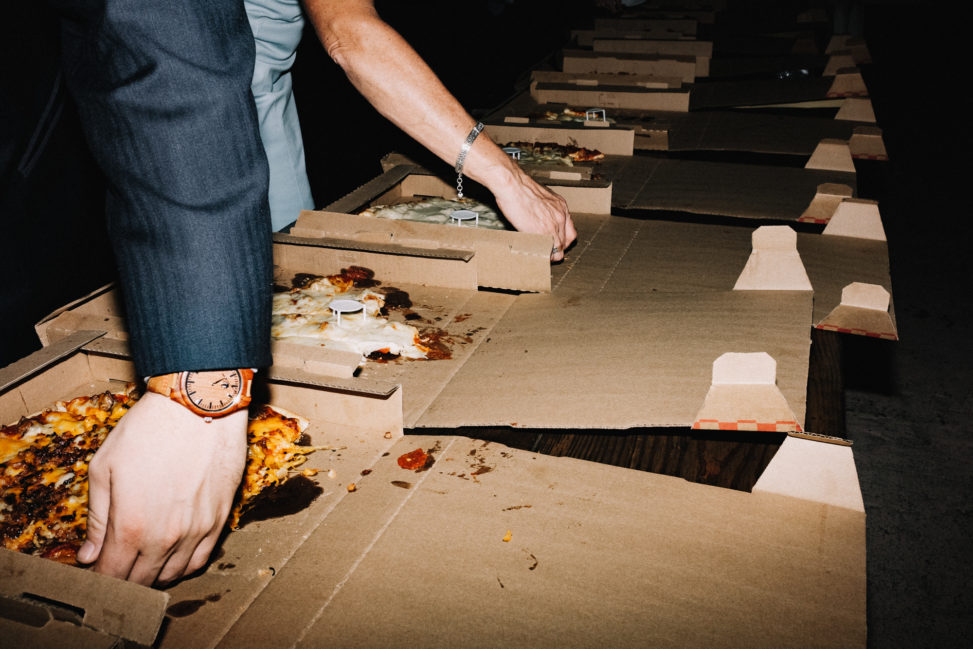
50,600
666,65
610,140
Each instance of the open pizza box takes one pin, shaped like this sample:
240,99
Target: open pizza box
682,67
424,544
47,604
584,192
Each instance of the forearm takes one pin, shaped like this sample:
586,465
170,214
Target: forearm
399,84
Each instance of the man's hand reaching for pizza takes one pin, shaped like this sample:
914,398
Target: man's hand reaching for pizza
160,490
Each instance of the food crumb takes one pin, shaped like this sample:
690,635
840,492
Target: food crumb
307,473
332,474
352,486
507,536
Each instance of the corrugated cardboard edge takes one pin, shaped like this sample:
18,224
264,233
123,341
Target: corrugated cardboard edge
857,218
848,82
744,396
812,470
826,200
113,606
43,358
42,325
864,310
866,143
831,154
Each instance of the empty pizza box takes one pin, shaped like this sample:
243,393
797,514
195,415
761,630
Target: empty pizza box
491,544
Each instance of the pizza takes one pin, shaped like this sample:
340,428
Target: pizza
566,115
435,209
550,153
307,314
44,468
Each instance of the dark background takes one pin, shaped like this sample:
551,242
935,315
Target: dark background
908,404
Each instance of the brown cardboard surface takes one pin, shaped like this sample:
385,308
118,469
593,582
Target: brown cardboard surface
612,96
701,50
750,191
593,79
638,362
690,258
681,67
112,607
596,556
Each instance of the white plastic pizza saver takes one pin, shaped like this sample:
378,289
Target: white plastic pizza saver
458,216
595,114
346,306
512,151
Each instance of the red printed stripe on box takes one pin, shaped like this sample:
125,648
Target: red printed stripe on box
748,425
858,332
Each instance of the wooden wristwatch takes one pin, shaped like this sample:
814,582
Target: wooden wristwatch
209,394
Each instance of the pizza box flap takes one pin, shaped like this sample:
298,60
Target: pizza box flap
113,606
497,259
44,357
566,553
682,67
609,140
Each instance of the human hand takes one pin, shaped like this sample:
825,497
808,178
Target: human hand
160,490
531,207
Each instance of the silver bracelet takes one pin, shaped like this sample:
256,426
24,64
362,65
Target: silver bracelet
462,157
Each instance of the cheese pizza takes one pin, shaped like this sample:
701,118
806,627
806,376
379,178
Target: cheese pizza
308,314
434,209
550,153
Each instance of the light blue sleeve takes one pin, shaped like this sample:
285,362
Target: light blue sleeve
277,27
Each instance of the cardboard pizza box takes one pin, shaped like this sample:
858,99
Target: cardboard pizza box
43,602
660,29
682,67
561,552
595,93
701,51
591,196
608,139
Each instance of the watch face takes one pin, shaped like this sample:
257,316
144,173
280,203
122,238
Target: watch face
214,391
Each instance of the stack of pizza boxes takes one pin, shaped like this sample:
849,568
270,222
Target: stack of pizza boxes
649,323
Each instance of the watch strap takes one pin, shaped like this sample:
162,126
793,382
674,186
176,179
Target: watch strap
163,383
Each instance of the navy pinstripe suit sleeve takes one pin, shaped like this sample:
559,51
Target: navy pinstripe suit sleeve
163,89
